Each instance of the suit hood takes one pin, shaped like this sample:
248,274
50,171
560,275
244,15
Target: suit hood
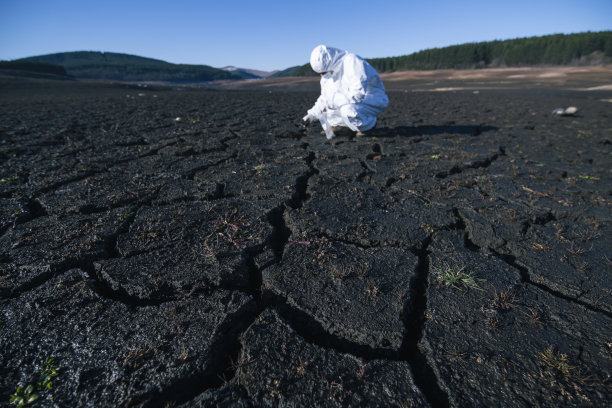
324,58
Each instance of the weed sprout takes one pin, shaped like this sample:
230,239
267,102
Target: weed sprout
456,277
25,395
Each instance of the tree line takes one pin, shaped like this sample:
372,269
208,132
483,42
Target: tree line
34,67
557,49
137,72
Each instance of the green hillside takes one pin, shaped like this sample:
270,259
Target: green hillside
33,68
558,49
125,67
299,70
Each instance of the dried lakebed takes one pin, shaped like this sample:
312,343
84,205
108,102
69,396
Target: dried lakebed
198,248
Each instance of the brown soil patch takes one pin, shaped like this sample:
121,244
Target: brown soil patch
595,78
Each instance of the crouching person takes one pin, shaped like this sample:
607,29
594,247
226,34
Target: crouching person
352,93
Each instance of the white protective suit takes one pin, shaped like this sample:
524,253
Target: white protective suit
352,93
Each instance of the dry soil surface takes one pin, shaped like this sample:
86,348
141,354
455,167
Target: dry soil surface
182,246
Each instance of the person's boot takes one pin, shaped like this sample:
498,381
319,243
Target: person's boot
363,133
335,129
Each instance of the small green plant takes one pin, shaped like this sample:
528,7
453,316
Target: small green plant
435,156
228,227
126,216
8,180
456,277
260,169
589,177
556,360
31,392
24,396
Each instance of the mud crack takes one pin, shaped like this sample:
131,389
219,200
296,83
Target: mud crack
510,259
314,333
281,233
414,320
222,366
300,196
526,278
483,163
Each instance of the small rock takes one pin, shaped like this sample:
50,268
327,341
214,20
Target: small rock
570,111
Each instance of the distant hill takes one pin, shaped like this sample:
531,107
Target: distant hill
125,67
299,70
247,73
243,73
558,49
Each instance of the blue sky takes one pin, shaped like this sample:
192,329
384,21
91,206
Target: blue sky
269,35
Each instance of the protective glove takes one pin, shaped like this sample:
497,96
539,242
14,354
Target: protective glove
309,118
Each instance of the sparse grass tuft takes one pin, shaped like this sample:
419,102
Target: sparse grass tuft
557,361
340,272
456,354
456,277
533,316
260,169
576,250
227,227
539,247
372,291
504,300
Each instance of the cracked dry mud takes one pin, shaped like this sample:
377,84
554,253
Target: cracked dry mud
457,255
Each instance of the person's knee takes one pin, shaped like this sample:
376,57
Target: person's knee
356,120
348,111
351,117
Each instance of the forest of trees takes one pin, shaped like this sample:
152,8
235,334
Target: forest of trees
33,67
557,49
